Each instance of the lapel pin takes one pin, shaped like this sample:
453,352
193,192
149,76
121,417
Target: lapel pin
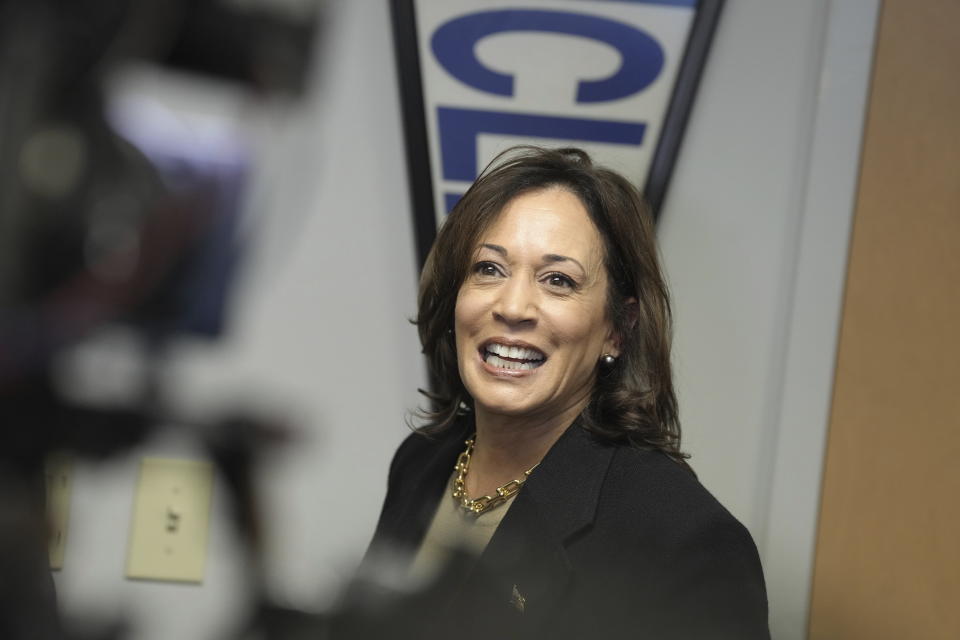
517,600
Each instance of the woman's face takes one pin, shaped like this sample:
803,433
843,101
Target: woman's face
530,320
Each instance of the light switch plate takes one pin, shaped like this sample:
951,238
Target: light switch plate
171,517
58,482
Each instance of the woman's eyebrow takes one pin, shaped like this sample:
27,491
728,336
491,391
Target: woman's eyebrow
553,257
495,247
548,258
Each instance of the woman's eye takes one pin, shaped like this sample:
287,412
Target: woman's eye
486,269
560,280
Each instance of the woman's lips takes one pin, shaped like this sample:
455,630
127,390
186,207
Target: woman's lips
512,359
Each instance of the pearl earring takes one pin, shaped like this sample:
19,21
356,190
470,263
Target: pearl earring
607,360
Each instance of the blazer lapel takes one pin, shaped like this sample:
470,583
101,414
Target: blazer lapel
524,570
405,519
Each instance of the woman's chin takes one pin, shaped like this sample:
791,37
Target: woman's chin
506,409
515,403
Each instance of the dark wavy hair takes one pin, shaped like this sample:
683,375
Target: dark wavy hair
633,401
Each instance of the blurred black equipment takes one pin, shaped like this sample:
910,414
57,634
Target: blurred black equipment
96,228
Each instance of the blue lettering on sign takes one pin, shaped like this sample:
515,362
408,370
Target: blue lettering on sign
459,129
451,200
642,57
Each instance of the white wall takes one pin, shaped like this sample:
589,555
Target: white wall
754,237
755,233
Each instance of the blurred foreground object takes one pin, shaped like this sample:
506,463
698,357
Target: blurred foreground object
104,220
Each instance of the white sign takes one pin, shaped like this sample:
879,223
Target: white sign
595,74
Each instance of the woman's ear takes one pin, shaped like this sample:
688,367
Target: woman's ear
632,311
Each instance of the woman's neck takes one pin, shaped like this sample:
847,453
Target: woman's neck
506,446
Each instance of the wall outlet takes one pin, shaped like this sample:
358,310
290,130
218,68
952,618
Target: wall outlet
58,482
171,514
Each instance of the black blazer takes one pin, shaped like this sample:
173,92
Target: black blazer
603,541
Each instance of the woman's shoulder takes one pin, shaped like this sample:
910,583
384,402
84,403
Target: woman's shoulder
416,444
420,448
652,488
661,520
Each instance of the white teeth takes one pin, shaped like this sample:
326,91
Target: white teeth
500,363
516,353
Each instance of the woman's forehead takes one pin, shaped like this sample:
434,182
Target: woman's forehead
551,220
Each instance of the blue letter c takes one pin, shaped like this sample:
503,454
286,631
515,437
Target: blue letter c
453,45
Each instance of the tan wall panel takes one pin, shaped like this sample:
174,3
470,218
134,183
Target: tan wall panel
888,550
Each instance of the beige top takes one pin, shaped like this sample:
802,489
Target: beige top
453,527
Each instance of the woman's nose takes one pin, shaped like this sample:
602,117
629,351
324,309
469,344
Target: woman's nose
516,302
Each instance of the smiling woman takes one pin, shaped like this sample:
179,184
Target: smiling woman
552,450
530,318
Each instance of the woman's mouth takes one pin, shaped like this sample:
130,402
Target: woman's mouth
501,356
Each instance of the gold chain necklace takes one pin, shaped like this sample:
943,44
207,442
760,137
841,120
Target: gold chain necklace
483,503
